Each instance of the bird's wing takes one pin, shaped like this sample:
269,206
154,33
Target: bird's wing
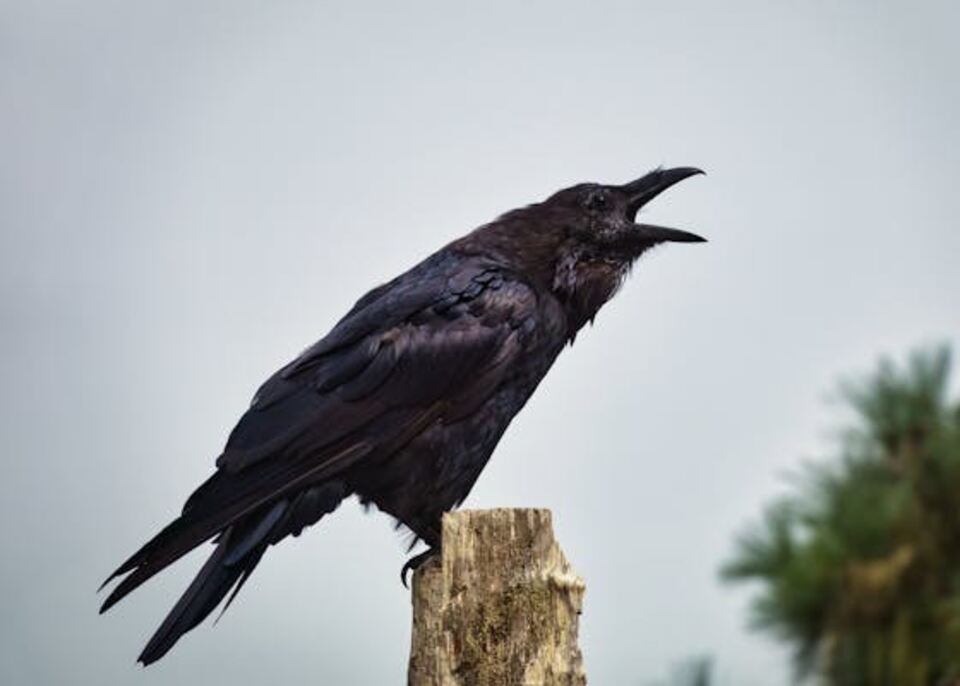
412,347
429,346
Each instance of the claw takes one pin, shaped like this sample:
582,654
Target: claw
414,563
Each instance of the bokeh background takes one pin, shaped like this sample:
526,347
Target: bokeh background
190,193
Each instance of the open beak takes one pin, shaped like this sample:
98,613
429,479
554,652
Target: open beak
649,186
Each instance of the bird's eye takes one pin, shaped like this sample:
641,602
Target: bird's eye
596,201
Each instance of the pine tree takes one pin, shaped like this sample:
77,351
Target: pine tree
860,565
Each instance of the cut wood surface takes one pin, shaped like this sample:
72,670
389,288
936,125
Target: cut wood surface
501,606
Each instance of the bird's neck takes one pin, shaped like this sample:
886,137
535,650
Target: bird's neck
584,282
524,241
581,280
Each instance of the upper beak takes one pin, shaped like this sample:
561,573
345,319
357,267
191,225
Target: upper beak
649,186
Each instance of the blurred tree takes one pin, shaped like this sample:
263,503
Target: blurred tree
860,565
694,671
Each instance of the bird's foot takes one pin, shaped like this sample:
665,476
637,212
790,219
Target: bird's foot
414,563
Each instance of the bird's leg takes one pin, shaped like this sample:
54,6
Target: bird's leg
431,537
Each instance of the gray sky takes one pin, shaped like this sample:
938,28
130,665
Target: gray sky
190,193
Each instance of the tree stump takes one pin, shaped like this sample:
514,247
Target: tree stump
499,608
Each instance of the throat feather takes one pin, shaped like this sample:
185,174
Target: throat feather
584,283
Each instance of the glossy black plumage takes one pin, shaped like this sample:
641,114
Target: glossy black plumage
404,400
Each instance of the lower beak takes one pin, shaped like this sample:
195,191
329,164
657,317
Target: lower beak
661,234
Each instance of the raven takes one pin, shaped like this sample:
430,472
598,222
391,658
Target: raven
404,400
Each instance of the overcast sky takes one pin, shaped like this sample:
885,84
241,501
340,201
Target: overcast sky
190,193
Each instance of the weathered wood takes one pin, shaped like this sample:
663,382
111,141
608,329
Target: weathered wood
500,608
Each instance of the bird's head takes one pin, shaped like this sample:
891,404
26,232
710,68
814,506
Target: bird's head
581,241
602,218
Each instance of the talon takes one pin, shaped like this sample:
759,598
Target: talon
414,563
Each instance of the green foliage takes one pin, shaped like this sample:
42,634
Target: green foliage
860,565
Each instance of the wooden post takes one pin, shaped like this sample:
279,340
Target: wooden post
500,608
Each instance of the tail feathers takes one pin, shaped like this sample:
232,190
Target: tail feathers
172,543
178,538
240,544
135,560
237,554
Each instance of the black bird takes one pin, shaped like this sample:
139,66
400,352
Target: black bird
403,402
